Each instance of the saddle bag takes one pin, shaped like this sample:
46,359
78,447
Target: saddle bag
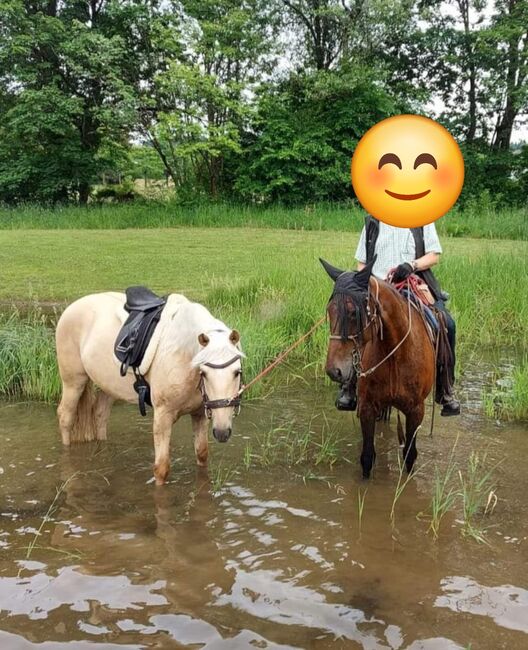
145,309
423,293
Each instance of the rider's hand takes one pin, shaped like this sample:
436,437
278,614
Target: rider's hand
402,272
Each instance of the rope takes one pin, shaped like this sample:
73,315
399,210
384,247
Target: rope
280,358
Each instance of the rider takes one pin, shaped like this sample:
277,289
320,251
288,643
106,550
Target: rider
407,251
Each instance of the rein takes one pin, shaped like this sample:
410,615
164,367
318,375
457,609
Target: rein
280,358
235,401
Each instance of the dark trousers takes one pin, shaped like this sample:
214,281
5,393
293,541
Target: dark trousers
451,335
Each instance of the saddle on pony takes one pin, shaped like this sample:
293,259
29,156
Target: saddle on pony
145,309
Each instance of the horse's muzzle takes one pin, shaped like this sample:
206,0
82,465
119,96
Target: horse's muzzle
222,435
335,374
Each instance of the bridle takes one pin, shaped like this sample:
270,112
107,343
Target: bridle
374,318
211,404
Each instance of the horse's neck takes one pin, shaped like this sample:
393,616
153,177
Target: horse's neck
393,313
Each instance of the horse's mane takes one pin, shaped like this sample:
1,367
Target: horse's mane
188,320
218,350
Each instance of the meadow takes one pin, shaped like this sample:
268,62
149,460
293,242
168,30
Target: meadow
266,282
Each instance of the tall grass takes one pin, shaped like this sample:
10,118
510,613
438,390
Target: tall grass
479,218
507,397
28,367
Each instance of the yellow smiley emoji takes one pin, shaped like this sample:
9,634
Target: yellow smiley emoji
407,171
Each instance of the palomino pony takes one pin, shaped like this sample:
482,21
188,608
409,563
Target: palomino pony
379,336
193,369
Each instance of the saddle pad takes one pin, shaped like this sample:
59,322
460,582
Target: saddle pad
174,301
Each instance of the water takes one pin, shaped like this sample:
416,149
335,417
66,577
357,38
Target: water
270,557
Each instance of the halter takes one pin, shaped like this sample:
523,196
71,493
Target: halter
356,354
211,404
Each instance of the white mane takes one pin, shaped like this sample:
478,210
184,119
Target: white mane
189,320
218,350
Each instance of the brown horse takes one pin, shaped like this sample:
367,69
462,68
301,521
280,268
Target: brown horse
378,335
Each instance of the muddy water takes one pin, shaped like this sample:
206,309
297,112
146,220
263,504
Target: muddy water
273,557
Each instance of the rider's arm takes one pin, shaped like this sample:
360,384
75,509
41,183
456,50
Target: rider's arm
426,262
361,251
432,247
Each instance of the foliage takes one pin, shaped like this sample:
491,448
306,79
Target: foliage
298,148
479,218
62,97
262,100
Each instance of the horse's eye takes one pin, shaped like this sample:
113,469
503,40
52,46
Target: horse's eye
238,373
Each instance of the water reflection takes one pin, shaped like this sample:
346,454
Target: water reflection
266,561
506,605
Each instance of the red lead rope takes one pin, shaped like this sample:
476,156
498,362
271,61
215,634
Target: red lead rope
281,356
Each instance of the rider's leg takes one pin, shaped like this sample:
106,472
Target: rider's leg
450,405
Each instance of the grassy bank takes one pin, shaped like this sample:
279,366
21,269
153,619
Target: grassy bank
507,397
267,283
480,219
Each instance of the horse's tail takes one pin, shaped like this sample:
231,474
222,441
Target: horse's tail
84,426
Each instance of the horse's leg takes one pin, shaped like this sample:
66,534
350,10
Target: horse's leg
102,408
367,418
413,419
72,391
200,426
163,421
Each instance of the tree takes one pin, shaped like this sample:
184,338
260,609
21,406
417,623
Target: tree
62,96
202,96
508,41
299,146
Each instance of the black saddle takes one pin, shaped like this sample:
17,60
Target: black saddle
145,309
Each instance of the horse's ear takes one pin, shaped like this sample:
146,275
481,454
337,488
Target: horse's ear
362,277
203,339
332,271
234,337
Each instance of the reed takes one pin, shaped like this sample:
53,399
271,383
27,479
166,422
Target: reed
295,444
480,218
477,495
507,396
444,494
28,367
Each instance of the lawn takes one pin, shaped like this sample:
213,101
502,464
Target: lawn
267,283
60,265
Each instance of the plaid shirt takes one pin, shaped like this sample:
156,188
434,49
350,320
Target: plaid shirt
395,246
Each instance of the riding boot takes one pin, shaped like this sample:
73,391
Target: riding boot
346,397
445,396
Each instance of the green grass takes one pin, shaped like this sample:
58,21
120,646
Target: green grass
266,283
294,444
28,366
507,398
480,218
